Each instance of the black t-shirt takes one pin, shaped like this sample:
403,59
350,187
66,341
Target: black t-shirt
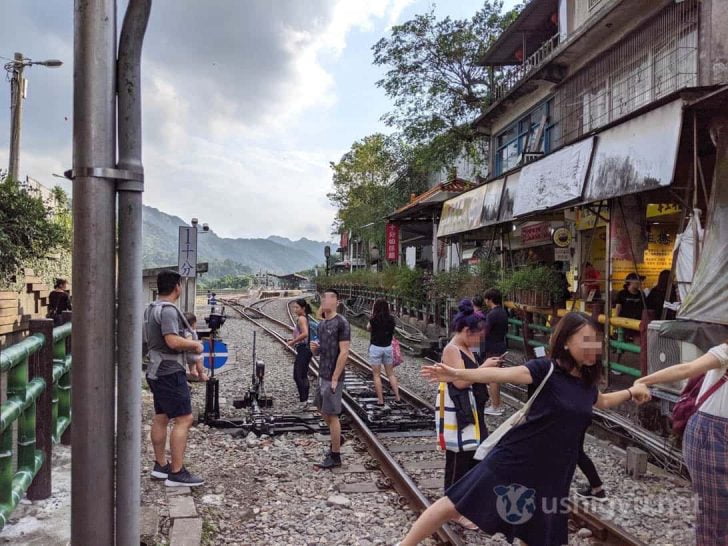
631,304
58,301
496,323
382,330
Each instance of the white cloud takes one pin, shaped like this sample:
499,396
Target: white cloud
224,91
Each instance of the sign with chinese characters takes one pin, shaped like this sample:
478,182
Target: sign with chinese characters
536,233
392,242
187,256
562,254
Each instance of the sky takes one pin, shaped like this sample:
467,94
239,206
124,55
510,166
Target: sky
245,102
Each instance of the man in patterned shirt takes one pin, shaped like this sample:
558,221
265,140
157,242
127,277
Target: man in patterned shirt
334,335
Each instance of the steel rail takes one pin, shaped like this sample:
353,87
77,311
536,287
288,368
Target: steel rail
401,481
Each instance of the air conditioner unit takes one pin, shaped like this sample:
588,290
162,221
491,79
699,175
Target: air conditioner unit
663,352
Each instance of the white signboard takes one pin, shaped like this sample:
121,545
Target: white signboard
557,178
636,155
187,258
562,254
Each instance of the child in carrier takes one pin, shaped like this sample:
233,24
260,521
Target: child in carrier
194,362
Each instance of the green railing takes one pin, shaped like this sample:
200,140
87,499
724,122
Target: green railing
619,345
41,412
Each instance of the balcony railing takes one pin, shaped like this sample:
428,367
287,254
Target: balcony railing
516,74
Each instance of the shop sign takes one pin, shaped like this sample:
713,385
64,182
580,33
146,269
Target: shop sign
637,155
562,237
562,254
462,213
585,218
556,179
536,233
392,242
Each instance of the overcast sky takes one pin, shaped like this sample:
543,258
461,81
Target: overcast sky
245,102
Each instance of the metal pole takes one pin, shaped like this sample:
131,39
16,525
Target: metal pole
128,437
94,230
608,288
16,112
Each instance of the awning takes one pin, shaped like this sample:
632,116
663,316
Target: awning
636,155
707,300
462,213
555,179
472,210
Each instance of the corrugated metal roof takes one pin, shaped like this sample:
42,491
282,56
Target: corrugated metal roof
534,22
435,195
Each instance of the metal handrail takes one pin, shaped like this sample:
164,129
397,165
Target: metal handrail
23,396
532,63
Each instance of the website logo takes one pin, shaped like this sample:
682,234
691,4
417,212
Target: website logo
515,503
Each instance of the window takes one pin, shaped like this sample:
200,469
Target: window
519,136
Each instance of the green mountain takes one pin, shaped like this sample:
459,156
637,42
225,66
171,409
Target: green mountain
226,256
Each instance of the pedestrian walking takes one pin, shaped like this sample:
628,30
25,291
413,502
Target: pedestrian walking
58,301
494,342
381,331
521,487
301,343
468,325
706,440
334,338
164,332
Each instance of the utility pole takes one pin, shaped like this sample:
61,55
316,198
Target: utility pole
18,87
17,90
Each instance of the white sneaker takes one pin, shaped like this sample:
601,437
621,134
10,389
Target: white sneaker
490,410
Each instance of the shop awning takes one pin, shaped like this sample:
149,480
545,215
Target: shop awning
637,155
556,179
471,210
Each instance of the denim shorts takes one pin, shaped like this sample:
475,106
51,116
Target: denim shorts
380,355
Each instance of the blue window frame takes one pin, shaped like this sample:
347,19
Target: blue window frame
512,141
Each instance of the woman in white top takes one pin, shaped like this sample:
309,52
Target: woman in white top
705,445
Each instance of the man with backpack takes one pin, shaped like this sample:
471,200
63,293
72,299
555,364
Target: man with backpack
164,333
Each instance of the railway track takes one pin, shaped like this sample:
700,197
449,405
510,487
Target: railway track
392,444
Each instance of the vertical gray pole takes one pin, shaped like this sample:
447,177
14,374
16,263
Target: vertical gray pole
94,225
128,434
16,112
608,289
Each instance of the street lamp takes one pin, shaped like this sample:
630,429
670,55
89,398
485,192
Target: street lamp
18,91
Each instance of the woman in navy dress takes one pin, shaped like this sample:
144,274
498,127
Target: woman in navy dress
521,488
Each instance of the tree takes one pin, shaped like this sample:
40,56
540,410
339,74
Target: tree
372,179
29,230
434,78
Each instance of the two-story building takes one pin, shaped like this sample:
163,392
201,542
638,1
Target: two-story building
595,101
608,132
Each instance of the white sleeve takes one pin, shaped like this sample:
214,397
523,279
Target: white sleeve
721,353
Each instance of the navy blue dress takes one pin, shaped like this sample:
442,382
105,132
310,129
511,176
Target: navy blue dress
520,488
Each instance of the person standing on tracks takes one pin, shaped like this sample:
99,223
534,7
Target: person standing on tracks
334,338
705,440
301,343
468,325
164,333
494,342
381,328
521,487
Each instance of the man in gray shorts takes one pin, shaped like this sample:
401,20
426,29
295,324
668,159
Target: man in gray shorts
334,335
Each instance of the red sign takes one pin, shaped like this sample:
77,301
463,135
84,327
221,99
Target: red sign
392,242
344,240
537,233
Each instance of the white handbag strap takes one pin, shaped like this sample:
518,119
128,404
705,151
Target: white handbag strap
528,404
